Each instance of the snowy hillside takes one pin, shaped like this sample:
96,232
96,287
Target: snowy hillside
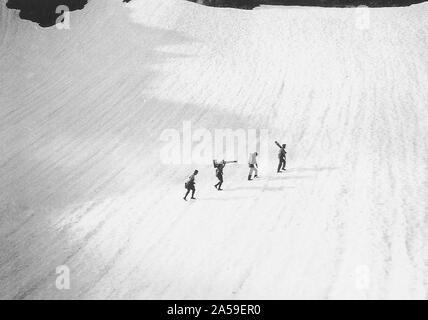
83,182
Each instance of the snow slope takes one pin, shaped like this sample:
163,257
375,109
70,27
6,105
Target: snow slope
82,185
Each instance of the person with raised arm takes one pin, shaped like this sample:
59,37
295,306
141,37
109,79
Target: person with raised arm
282,156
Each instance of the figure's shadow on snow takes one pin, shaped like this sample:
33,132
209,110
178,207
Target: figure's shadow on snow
225,199
258,188
289,174
284,176
315,169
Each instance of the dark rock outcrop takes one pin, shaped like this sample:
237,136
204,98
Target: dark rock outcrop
250,4
44,12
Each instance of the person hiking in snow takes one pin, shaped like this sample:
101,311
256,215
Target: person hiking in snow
190,185
219,166
282,154
252,163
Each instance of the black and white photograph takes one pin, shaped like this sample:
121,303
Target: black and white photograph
213,150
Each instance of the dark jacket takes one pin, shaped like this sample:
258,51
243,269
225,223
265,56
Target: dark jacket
219,169
282,152
190,183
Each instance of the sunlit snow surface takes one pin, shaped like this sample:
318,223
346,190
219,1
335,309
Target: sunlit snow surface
82,183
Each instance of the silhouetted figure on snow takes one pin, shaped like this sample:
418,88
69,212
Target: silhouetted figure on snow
219,166
252,163
282,157
190,185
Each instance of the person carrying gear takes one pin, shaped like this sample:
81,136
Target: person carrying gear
219,174
252,163
190,185
219,166
282,156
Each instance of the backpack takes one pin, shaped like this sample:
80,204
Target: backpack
190,181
